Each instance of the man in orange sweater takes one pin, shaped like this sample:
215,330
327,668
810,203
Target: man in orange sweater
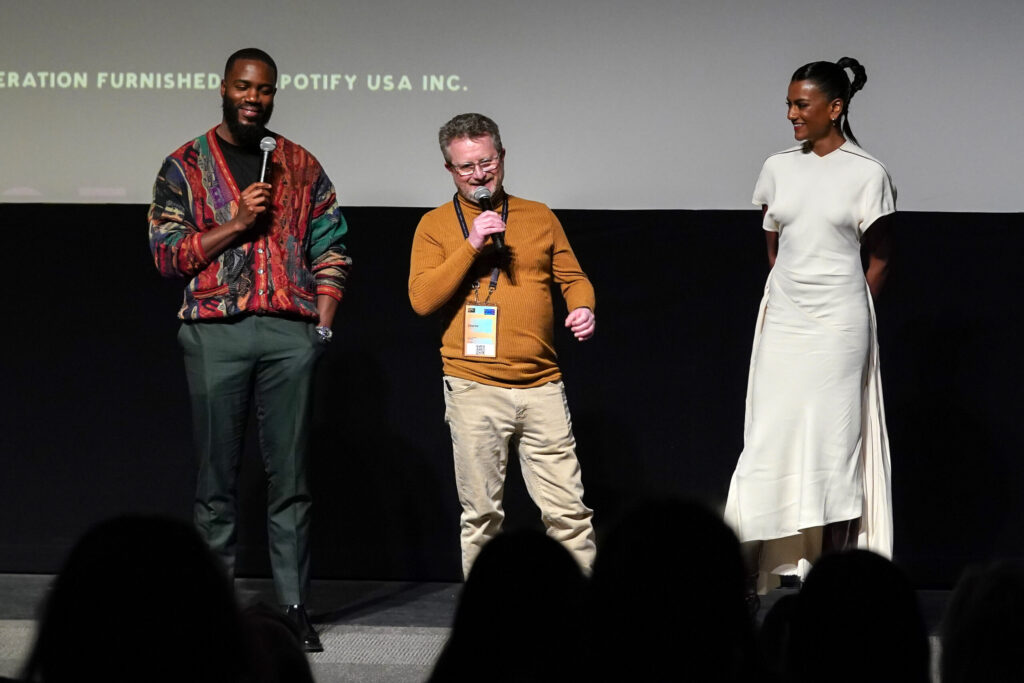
502,384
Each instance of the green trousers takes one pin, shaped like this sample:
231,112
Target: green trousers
232,364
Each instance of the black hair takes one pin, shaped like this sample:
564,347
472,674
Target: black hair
832,80
253,54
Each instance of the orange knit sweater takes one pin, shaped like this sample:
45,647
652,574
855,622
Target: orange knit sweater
443,266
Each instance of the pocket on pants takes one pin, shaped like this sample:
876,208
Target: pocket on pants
456,386
454,389
186,336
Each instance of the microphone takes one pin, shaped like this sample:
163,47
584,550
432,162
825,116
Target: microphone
268,145
483,197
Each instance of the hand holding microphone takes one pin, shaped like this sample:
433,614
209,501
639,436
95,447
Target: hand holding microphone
487,224
255,199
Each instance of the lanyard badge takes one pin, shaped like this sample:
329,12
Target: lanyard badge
480,332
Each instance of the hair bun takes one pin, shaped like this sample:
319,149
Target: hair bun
860,75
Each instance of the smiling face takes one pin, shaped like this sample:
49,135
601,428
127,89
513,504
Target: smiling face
463,152
812,114
247,92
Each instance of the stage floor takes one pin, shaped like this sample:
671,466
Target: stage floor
372,631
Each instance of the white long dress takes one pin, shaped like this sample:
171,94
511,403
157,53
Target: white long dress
815,446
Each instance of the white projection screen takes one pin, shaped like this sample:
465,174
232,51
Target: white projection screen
653,104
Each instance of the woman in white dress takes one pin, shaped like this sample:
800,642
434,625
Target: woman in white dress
814,472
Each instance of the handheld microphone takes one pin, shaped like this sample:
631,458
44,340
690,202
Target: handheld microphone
483,197
268,145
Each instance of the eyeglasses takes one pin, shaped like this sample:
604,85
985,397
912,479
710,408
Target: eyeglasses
486,166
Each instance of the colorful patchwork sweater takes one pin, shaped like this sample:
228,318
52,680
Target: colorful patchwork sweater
286,261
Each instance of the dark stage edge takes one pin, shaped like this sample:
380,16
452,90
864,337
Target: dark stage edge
372,631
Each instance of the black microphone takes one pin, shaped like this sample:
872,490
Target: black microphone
268,145
483,197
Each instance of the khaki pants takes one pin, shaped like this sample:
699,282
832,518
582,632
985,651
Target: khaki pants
486,420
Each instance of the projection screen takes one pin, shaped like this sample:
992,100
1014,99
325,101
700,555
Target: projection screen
654,104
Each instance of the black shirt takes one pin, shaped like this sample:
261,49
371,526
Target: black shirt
243,162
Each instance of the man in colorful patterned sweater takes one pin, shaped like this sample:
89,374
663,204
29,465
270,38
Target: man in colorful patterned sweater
502,384
266,269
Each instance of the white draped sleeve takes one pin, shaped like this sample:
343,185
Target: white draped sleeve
764,193
878,199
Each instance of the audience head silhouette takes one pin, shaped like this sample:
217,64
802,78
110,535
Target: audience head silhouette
857,619
277,646
668,597
519,616
773,640
982,628
140,598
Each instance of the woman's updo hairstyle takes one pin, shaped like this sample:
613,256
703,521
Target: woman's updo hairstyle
832,80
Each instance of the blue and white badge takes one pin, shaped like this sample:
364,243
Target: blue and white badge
480,333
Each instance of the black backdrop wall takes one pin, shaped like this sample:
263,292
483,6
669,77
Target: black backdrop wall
96,420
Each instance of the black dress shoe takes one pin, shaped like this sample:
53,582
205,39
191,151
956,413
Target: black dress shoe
307,634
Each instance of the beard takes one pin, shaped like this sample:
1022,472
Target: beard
245,134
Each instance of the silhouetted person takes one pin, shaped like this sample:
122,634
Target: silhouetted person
668,598
520,616
982,629
276,640
774,637
857,619
140,599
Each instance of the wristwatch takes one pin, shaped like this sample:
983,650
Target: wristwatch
324,333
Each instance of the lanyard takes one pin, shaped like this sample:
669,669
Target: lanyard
465,233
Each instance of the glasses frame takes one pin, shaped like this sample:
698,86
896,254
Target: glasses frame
488,165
